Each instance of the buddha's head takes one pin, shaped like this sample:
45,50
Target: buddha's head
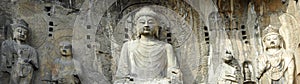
146,22
65,48
20,30
228,56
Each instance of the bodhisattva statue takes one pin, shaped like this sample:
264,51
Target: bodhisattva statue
147,60
64,71
229,71
276,65
19,59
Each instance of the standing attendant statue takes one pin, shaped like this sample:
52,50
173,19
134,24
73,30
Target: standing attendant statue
19,58
147,60
229,71
276,65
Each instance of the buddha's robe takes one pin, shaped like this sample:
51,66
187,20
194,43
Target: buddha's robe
65,71
227,74
151,62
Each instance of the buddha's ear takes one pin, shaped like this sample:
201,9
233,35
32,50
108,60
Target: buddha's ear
157,32
264,45
282,42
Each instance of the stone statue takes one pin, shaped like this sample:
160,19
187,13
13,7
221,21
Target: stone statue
65,71
18,58
276,65
229,71
147,60
248,73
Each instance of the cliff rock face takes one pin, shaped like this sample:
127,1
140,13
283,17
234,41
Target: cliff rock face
200,32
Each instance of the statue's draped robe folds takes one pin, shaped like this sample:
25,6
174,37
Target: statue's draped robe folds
146,62
65,69
21,73
281,65
226,74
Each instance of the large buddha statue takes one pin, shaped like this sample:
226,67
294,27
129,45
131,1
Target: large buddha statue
276,65
147,60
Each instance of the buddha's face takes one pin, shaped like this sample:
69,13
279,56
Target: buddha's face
272,41
246,66
65,49
228,56
20,33
146,25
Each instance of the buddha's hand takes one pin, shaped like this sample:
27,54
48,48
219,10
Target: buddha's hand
174,74
262,68
27,60
61,80
268,65
24,61
21,61
175,71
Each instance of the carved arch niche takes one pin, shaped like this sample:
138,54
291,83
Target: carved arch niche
181,26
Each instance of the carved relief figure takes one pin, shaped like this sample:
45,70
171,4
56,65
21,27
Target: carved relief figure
147,59
276,65
248,73
65,71
229,71
18,58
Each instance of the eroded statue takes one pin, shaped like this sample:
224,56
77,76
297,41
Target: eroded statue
229,71
276,65
65,71
18,58
147,60
248,72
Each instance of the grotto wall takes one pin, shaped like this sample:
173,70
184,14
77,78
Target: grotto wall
201,33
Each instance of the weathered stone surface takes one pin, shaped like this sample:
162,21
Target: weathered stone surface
65,69
198,30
